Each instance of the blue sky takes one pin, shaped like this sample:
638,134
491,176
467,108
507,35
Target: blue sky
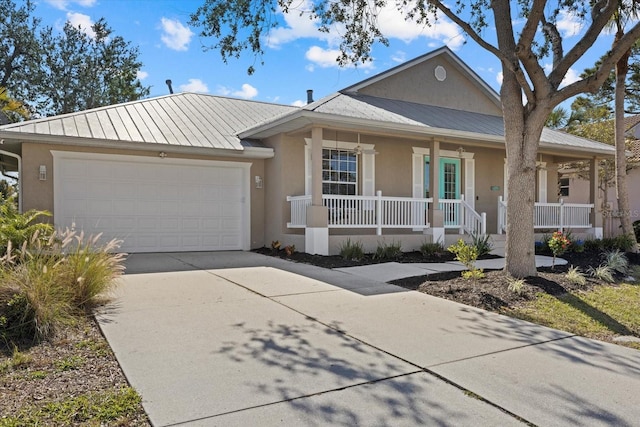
297,56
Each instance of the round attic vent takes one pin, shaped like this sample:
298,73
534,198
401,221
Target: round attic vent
440,73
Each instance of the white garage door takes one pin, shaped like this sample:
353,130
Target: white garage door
153,204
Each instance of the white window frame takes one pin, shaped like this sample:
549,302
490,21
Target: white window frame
366,164
354,160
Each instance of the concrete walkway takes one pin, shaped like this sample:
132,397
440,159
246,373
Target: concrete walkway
242,339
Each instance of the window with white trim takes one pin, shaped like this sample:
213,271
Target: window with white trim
339,172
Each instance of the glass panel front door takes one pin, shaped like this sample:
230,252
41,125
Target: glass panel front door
450,190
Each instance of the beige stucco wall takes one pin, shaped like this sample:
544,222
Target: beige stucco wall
418,84
285,176
39,194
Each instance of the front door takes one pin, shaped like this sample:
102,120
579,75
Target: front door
450,190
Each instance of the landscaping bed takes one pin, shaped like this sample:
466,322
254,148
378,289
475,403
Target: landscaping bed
494,291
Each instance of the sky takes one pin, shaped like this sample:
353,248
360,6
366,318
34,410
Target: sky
297,57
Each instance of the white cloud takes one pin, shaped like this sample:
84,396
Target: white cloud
247,91
63,4
391,21
299,26
141,75
569,24
82,21
327,58
572,75
399,56
175,35
499,78
299,103
194,85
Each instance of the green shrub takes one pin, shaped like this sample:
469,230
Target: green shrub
18,228
575,276
467,255
602,272
53,282
429,250
483,244
351,251
516,285
388,251
617,261
593,245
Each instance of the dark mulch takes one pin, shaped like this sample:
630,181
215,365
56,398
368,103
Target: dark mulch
490,293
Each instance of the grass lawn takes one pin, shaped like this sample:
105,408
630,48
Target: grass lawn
602,313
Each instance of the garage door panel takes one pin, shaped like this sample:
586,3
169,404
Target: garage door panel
153,206
123,207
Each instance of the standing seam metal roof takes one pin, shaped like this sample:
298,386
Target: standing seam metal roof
184,119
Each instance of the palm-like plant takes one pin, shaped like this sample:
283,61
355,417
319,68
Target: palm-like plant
628,10
19,228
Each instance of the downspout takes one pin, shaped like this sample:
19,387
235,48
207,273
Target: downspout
15,156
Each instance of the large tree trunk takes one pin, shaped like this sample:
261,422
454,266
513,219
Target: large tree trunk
621,156
523,127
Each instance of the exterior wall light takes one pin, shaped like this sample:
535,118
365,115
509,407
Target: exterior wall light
42,175
258,181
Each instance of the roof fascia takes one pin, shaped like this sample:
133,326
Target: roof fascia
246,152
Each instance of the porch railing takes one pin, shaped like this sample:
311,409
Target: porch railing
378,212
559,216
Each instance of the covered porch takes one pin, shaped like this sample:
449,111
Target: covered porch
437,210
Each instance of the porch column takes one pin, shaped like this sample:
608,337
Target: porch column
316,236
436,217
596,216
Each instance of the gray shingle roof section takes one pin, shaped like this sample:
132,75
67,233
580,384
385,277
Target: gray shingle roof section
395,111
429,116
184,119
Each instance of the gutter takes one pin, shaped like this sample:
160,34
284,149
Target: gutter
244,152
15,156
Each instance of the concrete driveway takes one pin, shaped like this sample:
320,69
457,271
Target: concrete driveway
237,338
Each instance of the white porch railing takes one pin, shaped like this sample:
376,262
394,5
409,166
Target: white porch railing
380,212
560,216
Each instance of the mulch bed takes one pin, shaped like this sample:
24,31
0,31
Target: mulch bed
489,293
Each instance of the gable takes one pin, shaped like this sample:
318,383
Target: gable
459,90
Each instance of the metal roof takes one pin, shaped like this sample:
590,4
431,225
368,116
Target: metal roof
184,119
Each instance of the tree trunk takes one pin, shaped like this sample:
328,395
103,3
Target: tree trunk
523,127
622,192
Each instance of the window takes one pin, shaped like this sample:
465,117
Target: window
563,185
339,172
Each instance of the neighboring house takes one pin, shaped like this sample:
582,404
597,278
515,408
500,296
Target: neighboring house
410,155
573,187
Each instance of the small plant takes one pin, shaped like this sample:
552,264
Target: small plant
69,364
351,251
602,272
516,285
430,250
617,261
275,245
575,276
289,250
388,251
558,244
474,274
467,255
483,244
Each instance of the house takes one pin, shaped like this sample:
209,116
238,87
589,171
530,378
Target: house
413,154
573,186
